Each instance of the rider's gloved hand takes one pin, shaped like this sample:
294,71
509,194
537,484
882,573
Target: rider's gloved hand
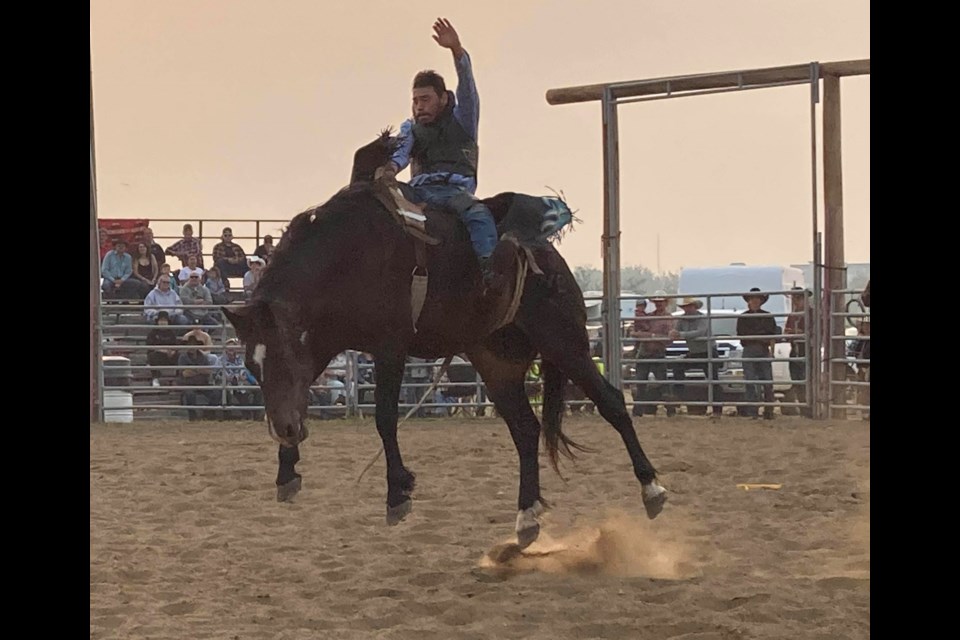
386,173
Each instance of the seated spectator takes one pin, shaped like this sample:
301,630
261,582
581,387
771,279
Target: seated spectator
233,373
194,372
333,395
145,267
161,336
416,375
163,298
117,271
195,297
153,248
218,287
265,250
229,256
186,246
203,339
252,277
184,275
165,271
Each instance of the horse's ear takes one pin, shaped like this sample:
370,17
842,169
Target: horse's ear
242,320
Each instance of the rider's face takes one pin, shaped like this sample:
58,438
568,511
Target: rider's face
427,104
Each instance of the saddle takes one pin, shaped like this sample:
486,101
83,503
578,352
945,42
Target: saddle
525,221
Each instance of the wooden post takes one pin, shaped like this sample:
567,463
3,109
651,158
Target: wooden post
833,235
612,350
96,410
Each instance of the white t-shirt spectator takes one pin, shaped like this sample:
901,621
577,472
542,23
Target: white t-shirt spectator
184,274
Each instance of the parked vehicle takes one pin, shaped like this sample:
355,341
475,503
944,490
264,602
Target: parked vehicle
737,279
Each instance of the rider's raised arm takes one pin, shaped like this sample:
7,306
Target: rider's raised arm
401,157
467,109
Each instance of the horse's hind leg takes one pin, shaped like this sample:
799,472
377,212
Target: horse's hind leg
505,385
574,361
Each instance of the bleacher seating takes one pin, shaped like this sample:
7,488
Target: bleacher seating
119,331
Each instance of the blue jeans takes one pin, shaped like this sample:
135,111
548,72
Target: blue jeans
476,216
758,371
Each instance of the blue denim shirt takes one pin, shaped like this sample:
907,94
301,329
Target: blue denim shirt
466,111
114,266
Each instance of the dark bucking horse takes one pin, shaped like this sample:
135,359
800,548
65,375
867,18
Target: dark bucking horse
340,278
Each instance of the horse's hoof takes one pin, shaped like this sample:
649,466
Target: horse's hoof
525,537
653,499
288,490
396,514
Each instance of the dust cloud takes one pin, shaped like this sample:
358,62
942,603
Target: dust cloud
621,545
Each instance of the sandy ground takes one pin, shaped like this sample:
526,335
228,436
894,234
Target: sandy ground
188,541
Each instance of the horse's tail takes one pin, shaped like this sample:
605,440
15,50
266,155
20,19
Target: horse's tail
553,437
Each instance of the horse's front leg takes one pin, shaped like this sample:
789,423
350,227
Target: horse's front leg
288,480
505,386
400,481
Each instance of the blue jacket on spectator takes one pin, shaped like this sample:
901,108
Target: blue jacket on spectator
114,266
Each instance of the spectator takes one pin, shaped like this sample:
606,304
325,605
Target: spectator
192,267
229,256
117,272
265,250
755,321
654,334
219,287
693,327
145,267
155,249
194,372
252,277
333,395
796,325
165,271
163,298
233,373
862,352
203,339
639,313
161,336
417,375
197,296
187,246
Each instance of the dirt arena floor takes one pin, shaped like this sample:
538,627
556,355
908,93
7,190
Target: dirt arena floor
188,541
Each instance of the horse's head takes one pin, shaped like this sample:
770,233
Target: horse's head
280,360
371,157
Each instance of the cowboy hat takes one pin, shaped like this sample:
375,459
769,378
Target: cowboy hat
659,296
763,296
686,302
797,292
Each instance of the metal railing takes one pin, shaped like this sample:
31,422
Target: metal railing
678,379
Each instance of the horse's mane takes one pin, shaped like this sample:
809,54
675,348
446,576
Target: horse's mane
320,219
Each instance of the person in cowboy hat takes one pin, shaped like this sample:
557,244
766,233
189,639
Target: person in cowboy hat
756,321
252,277
654,336
639,324
694,327
796,325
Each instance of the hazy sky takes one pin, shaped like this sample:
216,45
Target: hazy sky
251,109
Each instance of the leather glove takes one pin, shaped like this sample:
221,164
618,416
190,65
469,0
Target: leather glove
386,173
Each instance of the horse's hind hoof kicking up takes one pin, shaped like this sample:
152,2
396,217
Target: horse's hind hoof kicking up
286,491
396,514
653,498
